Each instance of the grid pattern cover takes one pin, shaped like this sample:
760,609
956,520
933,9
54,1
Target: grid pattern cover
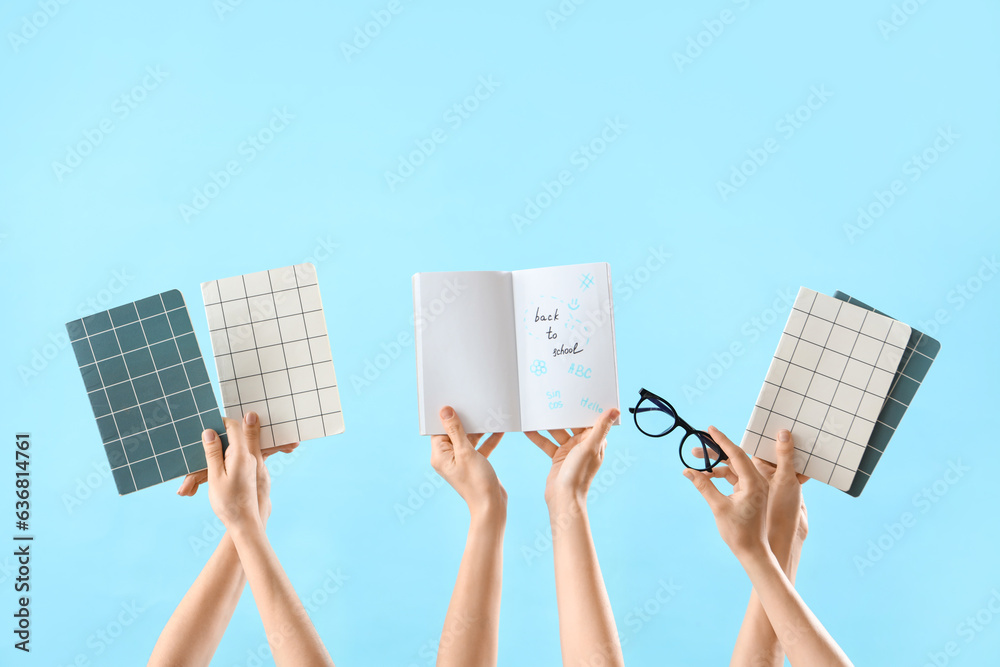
272,353
148,386
827,384
921,350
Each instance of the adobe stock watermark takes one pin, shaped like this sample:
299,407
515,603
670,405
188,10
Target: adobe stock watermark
121,108
913,170
454,117
900,15
562,12
32,24
971,627
712,29
247,151
393,348
786,127
333,582
428,651
223,8
611,471
750,332
323,250
633,281
641,615
581,159
922,502
961,295
44,354
366,32
104,637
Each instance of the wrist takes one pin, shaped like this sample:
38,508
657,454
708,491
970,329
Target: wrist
754,554
567,500
491,514
564,510
246,527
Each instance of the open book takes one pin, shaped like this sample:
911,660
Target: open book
515,350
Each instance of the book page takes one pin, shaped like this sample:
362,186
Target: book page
465,350
565,345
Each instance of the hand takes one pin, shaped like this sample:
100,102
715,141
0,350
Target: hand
191,482
576,460
455,457
233,478
787,521
741,517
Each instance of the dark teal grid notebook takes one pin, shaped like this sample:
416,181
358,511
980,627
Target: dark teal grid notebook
920,353
148,387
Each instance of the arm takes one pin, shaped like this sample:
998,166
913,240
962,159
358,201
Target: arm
587,632
233,493
471,627
195,629
787,527
290,633
757,644
741,520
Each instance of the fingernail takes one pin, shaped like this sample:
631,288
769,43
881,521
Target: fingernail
250,418
784,435
615,413
447,412
207,436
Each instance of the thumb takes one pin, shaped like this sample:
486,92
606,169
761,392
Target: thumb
602,427
456,432
785,452
213,454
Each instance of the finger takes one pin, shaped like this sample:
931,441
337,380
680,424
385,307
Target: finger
738,459
191,482
802,479
456,432
213,454
491,443
251,433
577,431
726,473
439,444
703,483
543,443
474,438
284,449
603,426
761,463
561,436
785,452
231,425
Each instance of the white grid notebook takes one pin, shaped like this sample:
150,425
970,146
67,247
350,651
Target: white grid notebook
272,353
827,383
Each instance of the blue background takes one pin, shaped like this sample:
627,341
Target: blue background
111,230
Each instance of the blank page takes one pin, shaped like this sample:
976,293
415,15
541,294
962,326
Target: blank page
465,350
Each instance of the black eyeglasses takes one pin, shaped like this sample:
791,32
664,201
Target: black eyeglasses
655,417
